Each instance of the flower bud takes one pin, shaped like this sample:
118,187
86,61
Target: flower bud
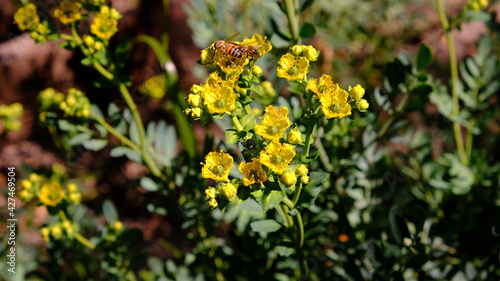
196,112
289,179
294,136
357,92
304,179
210,193
302,170
228,190
311,53
212,203
362,105
256,70
56,232
196,90
45,233
72,188
118,225
298,49
194,100
207,56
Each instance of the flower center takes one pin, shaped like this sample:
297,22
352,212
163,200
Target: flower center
220,103
272,130
218,170
293,71
277,159
335,107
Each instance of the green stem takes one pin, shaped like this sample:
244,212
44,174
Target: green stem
124,140
237,123
66,37
84,241
248,109
142,132
468,140
103,71
293,22
281,213
454,81
76,37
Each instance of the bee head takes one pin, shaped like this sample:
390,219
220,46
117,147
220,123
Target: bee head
219,44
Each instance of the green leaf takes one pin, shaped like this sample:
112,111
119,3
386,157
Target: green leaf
134,132
270,199
306,5
95,109
232,136
248,121
265,226
156,266
148,184
395,73
310,158
307,30
285,251
398,225
109,211
424,57
66,126
94,144
78,139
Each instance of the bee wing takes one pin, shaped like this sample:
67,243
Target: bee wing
232,37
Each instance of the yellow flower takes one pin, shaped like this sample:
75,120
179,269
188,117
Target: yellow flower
357,92
289,179
333,99
68,11
217,166
277,156
230,65
105,23
228,190
253,172
362,105
210,192
274,123
292,68
26,17
51,194
76,104
218,95
294,136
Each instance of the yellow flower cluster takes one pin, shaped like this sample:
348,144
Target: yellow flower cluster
195,101
105,23
49,192
477,5
26,17
218,95
231,65
335,102
68,11
76,104
57,230
155,87
91,47
9,114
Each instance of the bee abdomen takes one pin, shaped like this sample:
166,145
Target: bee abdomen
234,51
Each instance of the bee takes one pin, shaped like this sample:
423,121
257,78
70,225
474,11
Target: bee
238,51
